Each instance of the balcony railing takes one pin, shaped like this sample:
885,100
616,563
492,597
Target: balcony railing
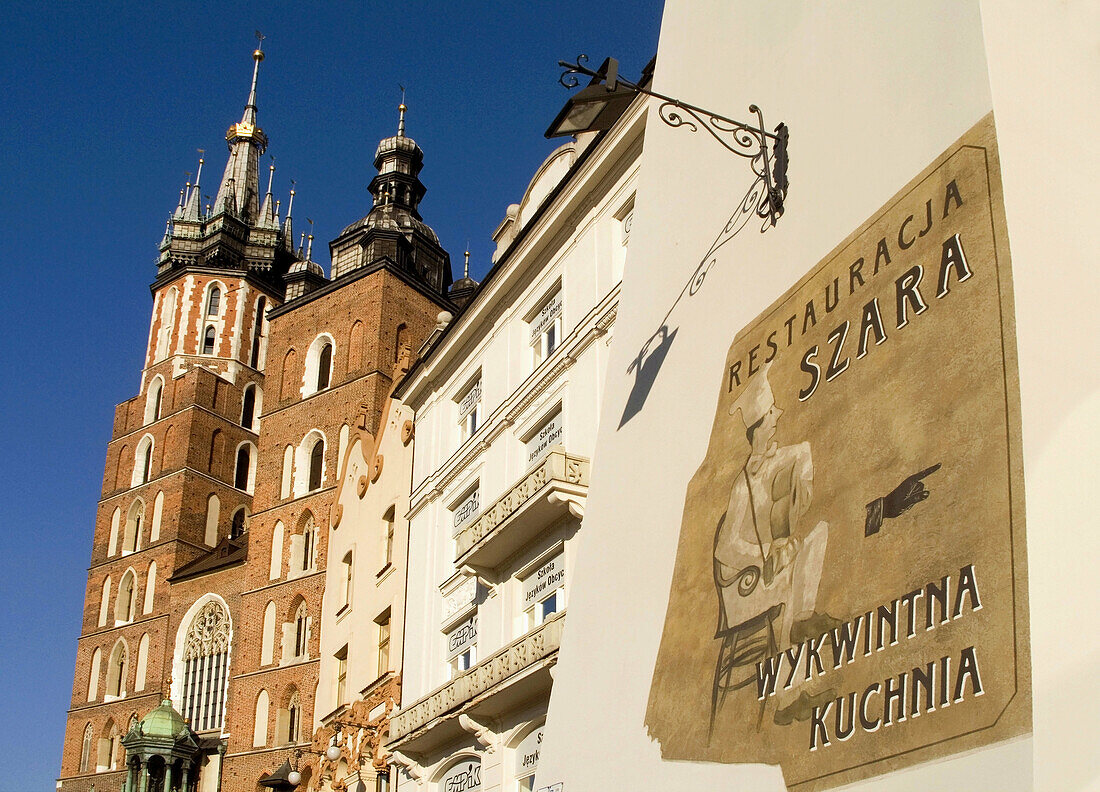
557,484
495,670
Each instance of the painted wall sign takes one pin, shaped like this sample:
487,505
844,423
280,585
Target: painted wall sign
544,439
463,777
462,637
549,312
855,529
546,578
468,509
470,400
527,753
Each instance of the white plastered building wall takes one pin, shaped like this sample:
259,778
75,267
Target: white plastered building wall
377,585
872,93
559,262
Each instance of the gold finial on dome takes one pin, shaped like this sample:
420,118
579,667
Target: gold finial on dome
258,53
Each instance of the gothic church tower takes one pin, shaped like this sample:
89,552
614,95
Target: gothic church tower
208,555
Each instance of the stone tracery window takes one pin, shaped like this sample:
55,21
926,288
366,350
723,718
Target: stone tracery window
206,666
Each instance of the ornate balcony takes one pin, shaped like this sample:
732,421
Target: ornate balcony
558,484
492,678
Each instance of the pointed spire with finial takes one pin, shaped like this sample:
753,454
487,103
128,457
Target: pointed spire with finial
466,265
246,143
288,224
309,247
401,114
267,218
194,199
249,116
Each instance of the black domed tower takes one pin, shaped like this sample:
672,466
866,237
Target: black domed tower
393,232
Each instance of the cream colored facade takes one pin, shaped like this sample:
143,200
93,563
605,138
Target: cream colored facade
506,404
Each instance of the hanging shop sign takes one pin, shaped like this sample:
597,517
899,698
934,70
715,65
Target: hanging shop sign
856,527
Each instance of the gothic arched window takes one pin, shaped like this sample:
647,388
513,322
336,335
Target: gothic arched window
240,479
324,367
237,527
248,406
205,667
214,302
208,340
86,748
316,464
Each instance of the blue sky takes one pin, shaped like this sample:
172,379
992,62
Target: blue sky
105,106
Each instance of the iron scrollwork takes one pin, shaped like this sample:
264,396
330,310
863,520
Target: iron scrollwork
748,140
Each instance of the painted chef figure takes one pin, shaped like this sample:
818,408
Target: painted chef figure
762,556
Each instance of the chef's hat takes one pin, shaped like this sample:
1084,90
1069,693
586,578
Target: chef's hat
757,398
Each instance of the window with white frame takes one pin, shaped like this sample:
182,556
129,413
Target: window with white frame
383,622
526,754
349,569
388,520
462,645
469,410
341,675
545,328
206,666
543,591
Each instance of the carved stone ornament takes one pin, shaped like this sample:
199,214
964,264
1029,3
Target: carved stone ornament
362,486
407,430
376,468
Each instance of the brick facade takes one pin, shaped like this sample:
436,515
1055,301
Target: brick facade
173,459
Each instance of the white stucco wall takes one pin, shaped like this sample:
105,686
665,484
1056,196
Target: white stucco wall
872,93
571,247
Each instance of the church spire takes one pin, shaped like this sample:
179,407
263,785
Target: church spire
238,193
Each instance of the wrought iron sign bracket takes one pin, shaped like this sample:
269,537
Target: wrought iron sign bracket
766,151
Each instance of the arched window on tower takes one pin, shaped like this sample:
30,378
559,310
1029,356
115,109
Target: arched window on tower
208,340
248,406
124,603
214,302
153,398
301,631
324,367
244,460
205,666
143,461
117,669
86,748
257,331
131,536
316,464
239,524
289,724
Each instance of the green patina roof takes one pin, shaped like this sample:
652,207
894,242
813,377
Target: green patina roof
163,721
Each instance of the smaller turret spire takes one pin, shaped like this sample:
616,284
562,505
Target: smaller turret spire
270,175
288,224
309,247
466,266
194,195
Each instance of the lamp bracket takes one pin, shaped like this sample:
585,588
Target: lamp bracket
749,140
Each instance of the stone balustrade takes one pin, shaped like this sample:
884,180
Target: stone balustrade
495,669
557,466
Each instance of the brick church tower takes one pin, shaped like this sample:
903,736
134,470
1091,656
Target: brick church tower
206,573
